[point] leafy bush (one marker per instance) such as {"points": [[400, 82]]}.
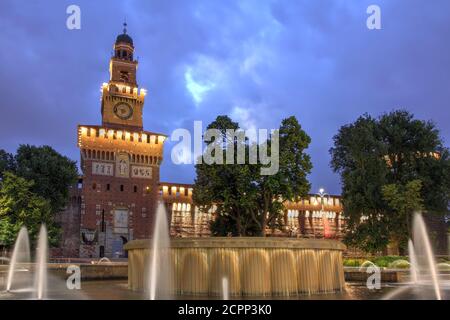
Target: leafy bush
{"points": [[352, 262], [367, 264], [399, 264], [385, 261], [443, 266]]}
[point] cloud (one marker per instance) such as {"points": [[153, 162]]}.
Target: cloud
{"points": [[258, 61]]}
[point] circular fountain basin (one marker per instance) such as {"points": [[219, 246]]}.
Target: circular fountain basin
{"points": [[252, 266]]}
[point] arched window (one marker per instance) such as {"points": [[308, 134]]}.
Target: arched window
{"points": [[94, 186], [135, 189], [121, 187]]}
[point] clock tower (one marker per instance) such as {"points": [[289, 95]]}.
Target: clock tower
{"points": [[120, 163], [122, 101]]}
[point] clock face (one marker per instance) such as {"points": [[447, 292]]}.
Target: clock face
{"points": [[123, 111]]}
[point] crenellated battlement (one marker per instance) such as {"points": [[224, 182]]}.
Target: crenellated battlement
{"points": [[114, 90], [139, 142]]}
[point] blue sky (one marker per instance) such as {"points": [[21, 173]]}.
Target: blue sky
{"points": [[257, 61]]}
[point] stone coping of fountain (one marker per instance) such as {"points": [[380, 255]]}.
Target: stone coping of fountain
{"points": [[243, 242]]}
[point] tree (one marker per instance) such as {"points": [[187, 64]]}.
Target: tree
{"points": [[403, 200], [226, 186], [32, 180], [247, 201], [19, 206], [51, 172], [394, 149], [7, 162]]}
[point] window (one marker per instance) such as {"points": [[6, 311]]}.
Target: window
{"points": [[102, 251], [121, 187], [94, 186], [135, 188], [108, 187], [103, 221]]}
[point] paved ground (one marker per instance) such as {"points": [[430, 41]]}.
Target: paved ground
{"points": [[118, 290]]}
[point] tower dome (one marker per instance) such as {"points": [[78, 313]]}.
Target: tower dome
{"points": [[124, 37]]}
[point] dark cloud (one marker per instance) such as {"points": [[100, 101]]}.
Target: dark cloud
{"points": [[259, 61]]}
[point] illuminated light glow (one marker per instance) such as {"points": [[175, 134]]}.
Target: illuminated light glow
{"points": [[179, 207], [152, 139], [143, 92], [188, 207], [144, 137], [102, 132], [135, 136], [119, 134], [110, 133], [127, 135], [174, 190], [83, 131], [182, 190], [161, 139], [174, 206], [165, 189], [92, 131]]}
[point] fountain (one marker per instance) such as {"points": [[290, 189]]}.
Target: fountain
{"points": [[41, 265], [20, 256], [425, 264], [255, 266], [413, 262], [225, 290], [425, 282], [160, 262]]}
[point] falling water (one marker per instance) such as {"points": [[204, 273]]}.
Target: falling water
{"points": [[423, 266], [159, 279], [225, 289], [413, 262], [21, 255], [41, 265], [424, 253]]}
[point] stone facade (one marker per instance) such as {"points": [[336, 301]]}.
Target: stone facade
{"points": [[313, 217]]}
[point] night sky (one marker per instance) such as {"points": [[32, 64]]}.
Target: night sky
{"points": [[257, 61]]}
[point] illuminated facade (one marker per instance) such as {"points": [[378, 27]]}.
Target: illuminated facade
{"points": [[314, 217]]}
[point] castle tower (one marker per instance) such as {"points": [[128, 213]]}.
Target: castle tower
{"points": [[120, 163]]}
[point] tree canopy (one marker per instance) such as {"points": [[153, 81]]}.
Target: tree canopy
{"points": [[34, 188], [246, 200], [19, 206], [382, 162]]}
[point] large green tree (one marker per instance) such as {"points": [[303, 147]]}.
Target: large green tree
{"points": [[248, 201], [378, 159], [19, 206], [51, 172], [41, 176]]}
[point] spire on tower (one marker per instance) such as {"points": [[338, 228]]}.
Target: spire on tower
{"points": [[125, 27]]}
